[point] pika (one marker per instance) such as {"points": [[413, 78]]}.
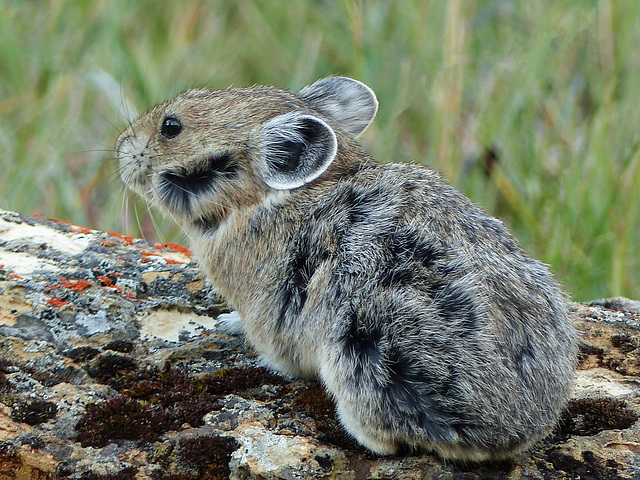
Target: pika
{"points": [[421, 315]]}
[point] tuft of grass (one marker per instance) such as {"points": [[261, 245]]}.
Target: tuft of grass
{"points": [[528, 107]]}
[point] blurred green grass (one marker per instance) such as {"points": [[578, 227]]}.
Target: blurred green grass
{"points": [[528, 107]]}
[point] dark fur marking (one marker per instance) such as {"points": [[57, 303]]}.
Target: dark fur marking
{"points": [[455, 305], [471, 230], [404, 378], [409, 253], [180, 186], [411, 394], [261, 218], [362, 345], [411, 242], [305, 258], [348, 205], [362, 340], [435, 287], [526, 351], [402, 274], [286, 301], [359, 213], [206, 225], [358, 202], [414, 394]]}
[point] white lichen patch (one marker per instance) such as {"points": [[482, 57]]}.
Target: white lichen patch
{"points": [[601, 383], [41, 235], [95, 323], [262, 451], [266, 453], [173, 325], [24, 264]]}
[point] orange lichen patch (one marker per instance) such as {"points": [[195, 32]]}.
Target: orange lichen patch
{"points": [[147, 254], [74, 227], [75, 285], [78, 285], [132, 297], [106, 281], [109, 280], [178, 248], [168, 261], [10, 274], [56, 303], [108, 243], [174, 254], [125, 238], [79, 229]]}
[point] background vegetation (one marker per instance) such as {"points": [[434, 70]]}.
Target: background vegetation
{"points": [[531, 108]]}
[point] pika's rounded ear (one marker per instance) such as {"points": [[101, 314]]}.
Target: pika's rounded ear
{"points": [[349, 102], [295, 148]]}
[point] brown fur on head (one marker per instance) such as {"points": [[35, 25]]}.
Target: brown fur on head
{"points": [[204, 152]]}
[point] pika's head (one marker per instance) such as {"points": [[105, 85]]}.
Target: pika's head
{"points": [[204, 152]]}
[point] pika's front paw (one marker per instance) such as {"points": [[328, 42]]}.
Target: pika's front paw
{"points": [[230, 323]]}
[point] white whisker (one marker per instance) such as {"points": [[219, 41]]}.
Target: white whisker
{"points": [[138, 222]]}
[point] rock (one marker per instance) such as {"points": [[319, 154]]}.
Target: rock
{"points": [[112, 366]]}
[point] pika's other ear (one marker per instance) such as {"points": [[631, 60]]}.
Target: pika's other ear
{"points": [[349, 102], [295, 148]]}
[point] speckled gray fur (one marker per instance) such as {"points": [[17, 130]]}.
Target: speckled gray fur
{"points": [[420, 313]]}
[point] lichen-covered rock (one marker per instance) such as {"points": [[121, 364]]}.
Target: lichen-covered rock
{"points": [[112, 367]]}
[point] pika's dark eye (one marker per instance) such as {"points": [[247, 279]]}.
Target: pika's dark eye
{"points": [[171, 127]]}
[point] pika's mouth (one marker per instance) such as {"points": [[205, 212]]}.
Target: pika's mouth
{"points": [[179, 188]]}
